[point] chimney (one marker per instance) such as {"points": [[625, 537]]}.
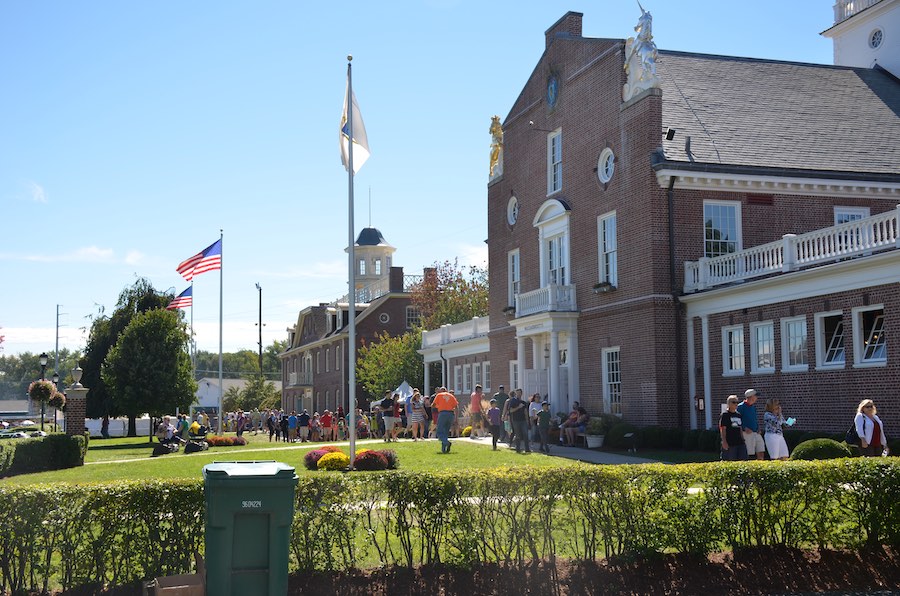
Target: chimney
{"points": [[568, 26]]}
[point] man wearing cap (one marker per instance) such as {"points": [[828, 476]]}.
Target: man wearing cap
{"points": [[752, 439], [446, 405]]}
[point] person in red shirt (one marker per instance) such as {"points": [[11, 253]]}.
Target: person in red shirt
{"points": [[445, 403], [325, 421]]}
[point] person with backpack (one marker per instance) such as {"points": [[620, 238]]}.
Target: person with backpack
{"points": [[869, 428]]}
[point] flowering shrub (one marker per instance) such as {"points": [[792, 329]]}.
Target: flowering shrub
{"points": [[334, 461], [391, 456], [239, 441], [311, 459], [41, 390], [362, 450], [370, 461], [57, 400], [330, 449], [467, 431], [217, 441]]}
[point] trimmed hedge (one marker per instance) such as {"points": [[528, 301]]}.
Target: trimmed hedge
{"points": [[56, 451], [110, 534], [821, 449]]}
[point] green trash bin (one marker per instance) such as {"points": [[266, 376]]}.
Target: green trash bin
{"points": [[249, 510]]}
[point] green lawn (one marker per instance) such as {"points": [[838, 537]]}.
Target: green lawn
{"points": [[113, 460]]}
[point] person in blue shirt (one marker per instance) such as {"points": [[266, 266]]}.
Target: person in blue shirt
{"points": [[750, 421]]}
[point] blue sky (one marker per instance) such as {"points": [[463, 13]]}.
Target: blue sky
{"points": [[131, 133]]}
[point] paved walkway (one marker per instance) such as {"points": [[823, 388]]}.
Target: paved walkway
{"points": [[591, 456]]}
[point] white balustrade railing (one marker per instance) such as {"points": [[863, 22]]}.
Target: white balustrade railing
{"points": [[844, 9], [793, 251], [476, 327], [304, 377], [551, 298]]}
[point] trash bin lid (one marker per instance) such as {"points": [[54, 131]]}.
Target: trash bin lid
{"points": [[257, 469]]}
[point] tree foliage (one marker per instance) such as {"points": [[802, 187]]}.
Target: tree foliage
{"points": [[384, 364], [257, 393], [149, 369], [105, 331], [451, 294], [18, 370], [241, 364]]}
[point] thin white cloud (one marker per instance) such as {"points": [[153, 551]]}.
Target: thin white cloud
{"points": [[134, 257], [321, 270], [472, 254], [86, 254], [37, 193]]}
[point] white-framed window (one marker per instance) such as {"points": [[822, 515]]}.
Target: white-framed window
{"points": [[721, 228], [513, 276], [476, 375], [377, 267], [467, 378], [733, 350], [337, 357], [606, 235], [337, 398], [457, 378], [606, 165], [512, 211], [762, 347], [793, 345], [486, 375], [413, 317], [327, 358], [513, 375], [612, 380], [318, 361], [830, 340], [869, 339], [362, 266], [846, 214], [554, 162], [557, 259]]}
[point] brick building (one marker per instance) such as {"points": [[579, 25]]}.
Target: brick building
{"points": [[668, 228], [314, 367]]}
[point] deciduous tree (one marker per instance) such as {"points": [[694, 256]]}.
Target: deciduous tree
{"points": [[149, 369], [451, 294], [387, 362]]}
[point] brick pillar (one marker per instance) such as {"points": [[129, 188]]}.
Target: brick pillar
{"points": [[76, 406]]}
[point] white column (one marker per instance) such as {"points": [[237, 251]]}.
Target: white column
{"points": [[574, 389], [707, 373], [555, 398], [537, 353], [427, 389], [520, 357], [691, 371]]}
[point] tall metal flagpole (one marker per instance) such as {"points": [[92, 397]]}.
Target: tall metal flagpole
{"points": [[351, 407], [193, 344], [221, 293]]}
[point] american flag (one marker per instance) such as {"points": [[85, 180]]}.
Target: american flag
{"points": [[182, 300], [208, 259]]}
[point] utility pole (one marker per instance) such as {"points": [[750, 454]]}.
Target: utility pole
{"points": [[259, 287]]}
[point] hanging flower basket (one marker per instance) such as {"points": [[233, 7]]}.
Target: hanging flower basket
{"points": [[41, 390], [58, 400]]}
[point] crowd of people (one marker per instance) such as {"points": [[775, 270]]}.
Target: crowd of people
{"points": [[742, 439]]}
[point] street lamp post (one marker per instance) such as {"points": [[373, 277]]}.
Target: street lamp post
{"points": [[55, 379], [43, 360]]}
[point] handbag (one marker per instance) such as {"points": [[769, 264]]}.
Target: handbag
{"points": [[852, 437]]}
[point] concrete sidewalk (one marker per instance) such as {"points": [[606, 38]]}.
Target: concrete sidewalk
{"points": [[591, 456]]}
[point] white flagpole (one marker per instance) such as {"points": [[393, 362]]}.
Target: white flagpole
{"points": [[193, 351], [221, 293], [352, 278]]}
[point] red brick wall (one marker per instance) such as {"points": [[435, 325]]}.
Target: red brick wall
{"points": [[818, 399]]}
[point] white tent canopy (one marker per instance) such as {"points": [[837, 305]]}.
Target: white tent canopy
{"points": [[404, 390]]}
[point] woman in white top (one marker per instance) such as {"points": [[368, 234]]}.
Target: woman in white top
{"points": [[774, 437], [872, 440]]}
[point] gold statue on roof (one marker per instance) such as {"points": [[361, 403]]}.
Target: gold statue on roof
{"points": [[496, 130]]}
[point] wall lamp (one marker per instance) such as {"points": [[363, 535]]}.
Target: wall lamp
{"points": [[531, 125]]}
